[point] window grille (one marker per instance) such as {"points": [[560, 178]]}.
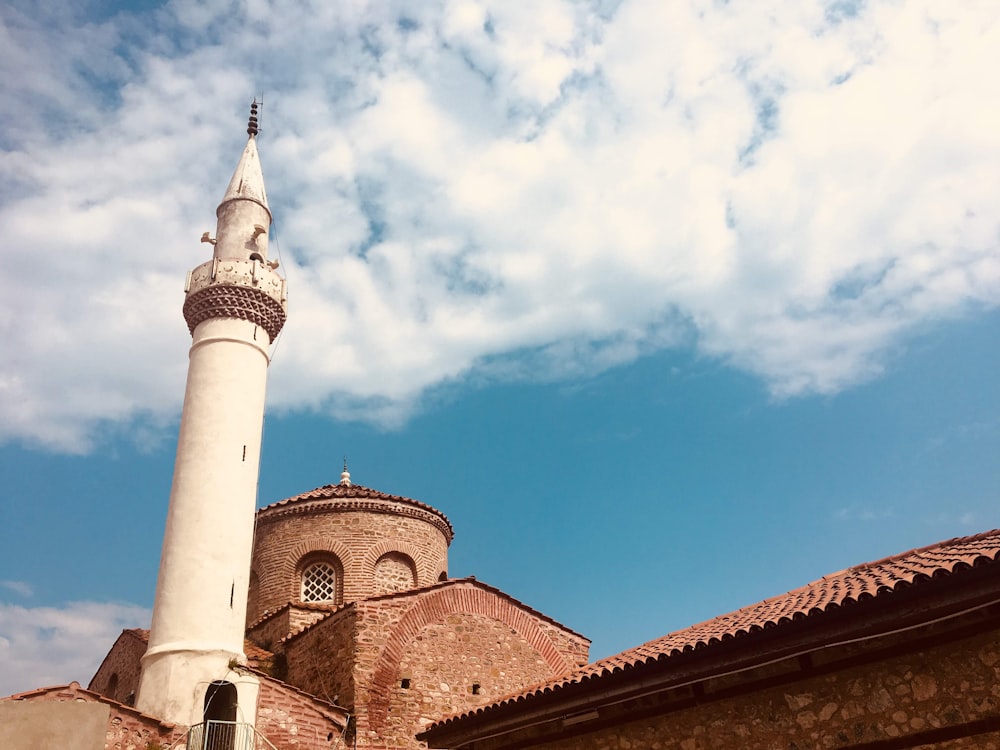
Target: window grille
{"points": [[319, 583]]}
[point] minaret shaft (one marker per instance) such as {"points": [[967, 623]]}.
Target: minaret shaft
{"points": [[235, 306], [214, 491]]}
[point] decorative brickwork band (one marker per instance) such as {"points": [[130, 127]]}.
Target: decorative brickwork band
{"points": [[277, 511], [230, 301]]}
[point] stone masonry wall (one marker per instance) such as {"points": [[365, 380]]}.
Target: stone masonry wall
{"points": [[321, 660], [883, 701], [394, 572], [460, 663], [121, 666], [356, 538], [267, 633], [126, 731], [575, 647], [419, 657], [292, 721]]}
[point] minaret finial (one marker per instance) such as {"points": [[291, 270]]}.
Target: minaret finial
{"points": [[345, 477], [252, 124]]}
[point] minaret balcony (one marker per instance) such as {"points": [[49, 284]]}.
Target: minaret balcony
{"points": [[234, 288], [255, 274]]}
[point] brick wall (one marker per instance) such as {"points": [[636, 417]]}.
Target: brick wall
{"points": [[321, 659], [291, 720], [462, 662], [573, 646], [268, 632], [118, 676], [129, 732], [444, 641], [355, 539], [394, 572]]}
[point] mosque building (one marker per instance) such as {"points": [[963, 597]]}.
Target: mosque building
{"points": [[329, 620]]}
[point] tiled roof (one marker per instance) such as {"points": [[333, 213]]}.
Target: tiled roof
{"points": [[255, 654], [332, 710], [860, 583], [356, 492], [308, 606]]}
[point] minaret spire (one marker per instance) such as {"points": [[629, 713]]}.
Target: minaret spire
{"points": [[252, 124], [247, 182], [235, 306]]}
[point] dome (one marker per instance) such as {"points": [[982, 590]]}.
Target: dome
{"points": [[344, 542]]}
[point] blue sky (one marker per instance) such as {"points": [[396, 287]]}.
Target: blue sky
{"points": [[669, 307]]}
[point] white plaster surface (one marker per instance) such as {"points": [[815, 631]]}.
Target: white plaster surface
{"points": [[199, 611], [37, 725]]}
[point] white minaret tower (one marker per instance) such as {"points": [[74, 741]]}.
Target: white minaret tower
{"points": [[235, 307]]}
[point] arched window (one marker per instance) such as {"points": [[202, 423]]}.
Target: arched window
{"points": [[394, 572], [319, 582]]}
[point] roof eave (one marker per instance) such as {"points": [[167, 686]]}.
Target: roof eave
{"points": [[917, 606]]}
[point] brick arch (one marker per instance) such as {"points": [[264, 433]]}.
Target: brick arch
{"points": [[291, 566], [434, 608], [389, 576], [375, 553]]}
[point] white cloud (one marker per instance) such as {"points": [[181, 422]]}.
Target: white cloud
{"points": [[42, 646], [463, 190], [863, 513], [19, 587]]}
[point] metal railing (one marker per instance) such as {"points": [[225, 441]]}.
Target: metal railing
{"points": [[226, 735]]}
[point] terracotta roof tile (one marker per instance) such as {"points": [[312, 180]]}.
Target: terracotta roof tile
{"points": [[332, 710], [309, 606], [356, 492], [859, 583], [255, 654]]}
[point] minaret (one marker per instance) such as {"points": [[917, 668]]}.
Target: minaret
{"points": [[235, 306]]}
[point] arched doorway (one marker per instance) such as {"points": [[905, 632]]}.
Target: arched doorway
{"points": [[220, 716]]}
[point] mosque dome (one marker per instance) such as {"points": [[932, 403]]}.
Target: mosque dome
{"points": [[344, 542]]}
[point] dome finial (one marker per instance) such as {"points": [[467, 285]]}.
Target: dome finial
{"points": [[252, 124], [345, 477]]}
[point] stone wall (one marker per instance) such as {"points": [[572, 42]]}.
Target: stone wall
{"points": [[268, 632], [424, 656], [394, 572], [452, 666], [321, 660], [118, 676], [905, 701], [573, 646], [127, 731], [291, 720], [354, 539]]}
